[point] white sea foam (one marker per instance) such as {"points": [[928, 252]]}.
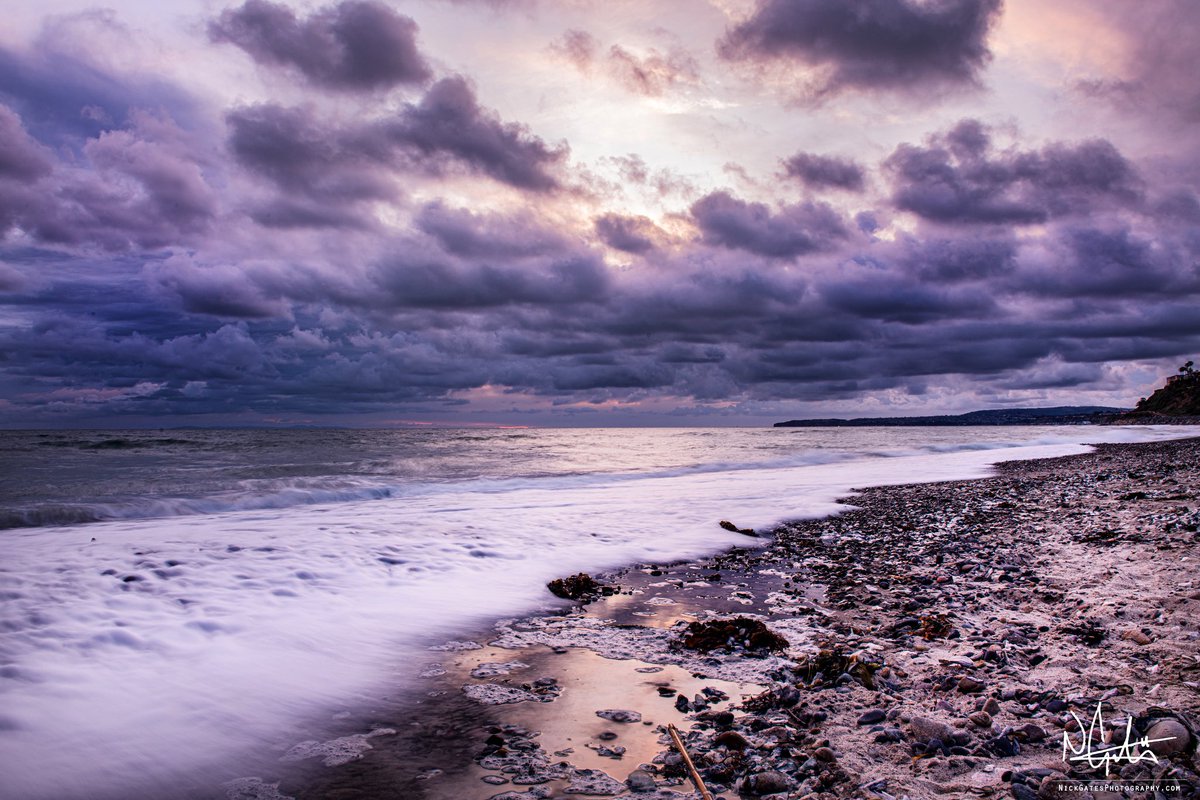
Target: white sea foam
{"points": [[142, 656]]}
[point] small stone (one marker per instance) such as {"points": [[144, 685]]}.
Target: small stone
{"points": [[992, 706], [925, 729], [969, 685], [981, 719], [1176, 735], [769, 782], [872, 717], [494, 780], [1136, 636], [732, 740], [640, 781], [824, 754]]}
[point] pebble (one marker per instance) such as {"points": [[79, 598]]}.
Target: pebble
{"points": [[1176, 734], [824, 754], [769, 782], [925, 729], [969, 685], [981, 719], [873, 716], [640, 781]]}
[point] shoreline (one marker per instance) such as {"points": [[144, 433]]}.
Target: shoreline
{"points": [[1039, 590]]}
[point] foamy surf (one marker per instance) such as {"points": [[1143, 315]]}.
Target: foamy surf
{"points": [[148, 657]]}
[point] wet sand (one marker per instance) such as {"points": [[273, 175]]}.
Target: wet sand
{"points": [[940, 639]]}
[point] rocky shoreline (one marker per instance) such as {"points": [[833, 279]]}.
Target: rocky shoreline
{"points": [[932, 641]]}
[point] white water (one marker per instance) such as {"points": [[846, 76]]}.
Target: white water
{"points": [[239, 625]]}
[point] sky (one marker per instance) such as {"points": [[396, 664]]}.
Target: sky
{"points": [[575, 212]]}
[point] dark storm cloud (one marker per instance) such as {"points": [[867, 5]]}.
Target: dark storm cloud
{"points": [[631, 234], [1088, 262], [323, 177], [818, 171], [413, 279], [874, 44], [497, 236], [959, 178], [328, 170], [795, 230], [945, 261], [897, 300], [353, 46], [450, 123], [140, 186]]}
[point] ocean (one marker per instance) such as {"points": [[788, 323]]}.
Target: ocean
{"points": [[174, 604]]}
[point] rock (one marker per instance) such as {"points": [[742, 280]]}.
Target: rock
{"points": [[981, 719], [577, 587], [619, 715], [1136, 636], [992, 706], [494, 780], [1004, 746], [1022, 792], [1031, 733], [924, 729], [732, 740], [729, 526], [640, 781], [969, 685], [1177, 737], [769, 782], [872, 717], [824, 754]]}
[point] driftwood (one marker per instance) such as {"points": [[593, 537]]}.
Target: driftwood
{"points": [[687, 762]]}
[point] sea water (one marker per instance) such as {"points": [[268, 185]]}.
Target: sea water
{"points": [[174, 602]]}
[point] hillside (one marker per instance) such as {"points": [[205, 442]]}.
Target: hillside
{"points": [[1180, 397]]}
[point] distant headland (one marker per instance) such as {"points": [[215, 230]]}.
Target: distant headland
{"points": [[1177, 402]]}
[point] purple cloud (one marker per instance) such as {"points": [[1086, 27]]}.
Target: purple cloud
{"points": [[357, 45], [898, 45], [795, 230]]}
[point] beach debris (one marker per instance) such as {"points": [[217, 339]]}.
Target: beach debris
{"points": [[579, 587], [697, 781], [738, 633], [729, 526], [827, 666]]}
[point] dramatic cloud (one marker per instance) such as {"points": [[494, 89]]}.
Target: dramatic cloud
{"points": [[450, 122], [958, 178], [818, 172], [875, 44], [796, 230], [632, 234], [356, 45], [361, 229]]}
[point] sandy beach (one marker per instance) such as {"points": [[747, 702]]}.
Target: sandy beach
{"points": [[932, 641]]}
